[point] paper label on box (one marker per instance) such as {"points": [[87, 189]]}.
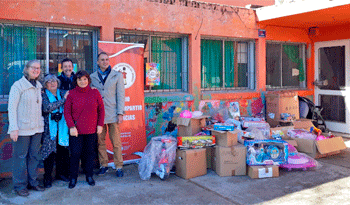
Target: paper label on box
{"points": [[264, 174]]}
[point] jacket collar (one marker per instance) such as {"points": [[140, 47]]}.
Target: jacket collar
{"points": [[111, 74], [27, 85]]}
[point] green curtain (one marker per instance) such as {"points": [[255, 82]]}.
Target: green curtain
{"points": [[17, 46], [292, 52], [168, 54], [229, 64], [211, 57]]}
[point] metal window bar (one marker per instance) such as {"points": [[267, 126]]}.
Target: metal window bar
{"points": [[18, 45], [158, 47], [302, 54], [207, 74], [65, 43]]}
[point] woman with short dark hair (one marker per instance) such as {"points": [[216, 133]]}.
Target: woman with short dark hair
{"points": [[55, 139], [84, 113], [26, 125]]}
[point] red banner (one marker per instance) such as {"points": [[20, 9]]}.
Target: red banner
{"points": [[128, 59]]}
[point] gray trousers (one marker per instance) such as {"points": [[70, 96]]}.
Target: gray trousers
{"points": [[25, 161]]}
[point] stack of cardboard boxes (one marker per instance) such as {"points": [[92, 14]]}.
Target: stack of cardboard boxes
{"points": [[230, 157], [191, 163]]}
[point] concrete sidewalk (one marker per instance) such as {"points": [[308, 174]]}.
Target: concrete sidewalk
{"points": [[329, 184]]}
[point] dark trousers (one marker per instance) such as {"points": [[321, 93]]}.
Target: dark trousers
{"points": [[83, 146], [25, 161], [62, 163]]}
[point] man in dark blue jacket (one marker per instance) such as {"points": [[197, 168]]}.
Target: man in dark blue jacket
{"points": [[67, 75]]}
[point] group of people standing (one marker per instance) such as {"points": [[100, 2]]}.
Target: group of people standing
{"points": [[61, 119]]}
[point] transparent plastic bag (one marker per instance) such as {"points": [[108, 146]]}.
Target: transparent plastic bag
{"points": [[256, 133], [158, 157], [220, 114]]}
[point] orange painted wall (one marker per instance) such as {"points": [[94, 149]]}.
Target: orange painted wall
{"points": [[332, 33], [193, 18], [243, 3], [298, 35]]}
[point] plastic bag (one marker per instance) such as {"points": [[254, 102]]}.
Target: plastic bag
{"points": [[158, 157], [219, 114], [256, 133]]}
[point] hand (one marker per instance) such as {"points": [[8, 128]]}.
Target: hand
{"points": [[14, 135], [66, 95], [99, 129], [73, 131], [93, 87], [120, 119]]}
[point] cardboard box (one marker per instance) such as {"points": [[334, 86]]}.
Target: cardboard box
{"points": [[258, 172], [317, 149], [321, 148], [292, 142], [281, 102], [190, 126], [191, 163], [303, 124], [210, 152], [230, 161], [225, 138]]}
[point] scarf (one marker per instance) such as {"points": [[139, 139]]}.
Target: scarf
{"points": [[62, 127], [103, 75]]}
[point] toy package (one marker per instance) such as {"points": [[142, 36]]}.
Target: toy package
{"points": [[194, 142], [266, 152], [223, 127], [298, 160], [158, 157], [301, 133]]}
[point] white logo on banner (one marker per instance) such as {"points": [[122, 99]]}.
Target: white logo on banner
{"points": [[128, 73]]}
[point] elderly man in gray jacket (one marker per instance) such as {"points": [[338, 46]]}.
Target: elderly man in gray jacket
{"points": [[110, 83]]}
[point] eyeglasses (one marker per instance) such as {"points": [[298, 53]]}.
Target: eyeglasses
{"points": [[51, 81], [35, 68]]}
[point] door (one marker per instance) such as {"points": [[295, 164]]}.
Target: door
{"points": [[332, 83]]}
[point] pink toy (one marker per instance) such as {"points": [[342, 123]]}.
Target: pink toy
{"points": [[297, 160], [321, 137], [186, 114]]}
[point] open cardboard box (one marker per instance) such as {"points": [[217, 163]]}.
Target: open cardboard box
{"points": [[317, 149], [190, 126]]}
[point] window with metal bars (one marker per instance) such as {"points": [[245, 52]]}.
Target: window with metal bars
{"points": [[169, 51], [20, 43], [227, 64], [285, 65]]}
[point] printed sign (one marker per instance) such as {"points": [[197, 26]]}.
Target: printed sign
{"points": [[128, 59], [152, 74]]}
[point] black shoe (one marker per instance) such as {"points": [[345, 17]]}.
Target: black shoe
{"points": [[102, 171], [62, 177], [47, 183], [36, 188], [72, 183], [90, 181], [23, 192], [119, 173]]}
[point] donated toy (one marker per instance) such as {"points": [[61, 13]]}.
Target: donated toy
{"points": [[297, 160], [158, 157], [315, 130], [186, 114], [266, 152]]}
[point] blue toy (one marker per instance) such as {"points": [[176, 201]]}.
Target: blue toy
{"points": [[266, 152]]}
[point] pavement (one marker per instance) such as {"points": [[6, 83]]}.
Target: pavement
{"points": [[329, 184]]}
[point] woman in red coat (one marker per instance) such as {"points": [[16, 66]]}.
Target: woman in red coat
{"points": [[84, 114]]}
